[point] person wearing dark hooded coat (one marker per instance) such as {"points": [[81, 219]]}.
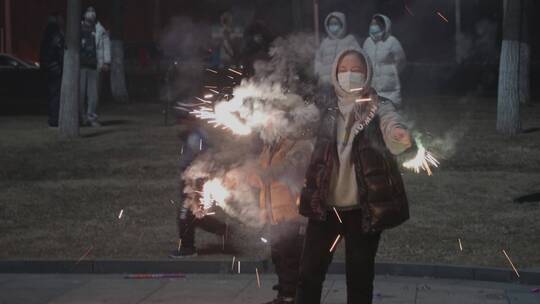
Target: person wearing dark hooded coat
{"points": [[353, 188], [338, 39], [52, 61], [187, 221], [388, 58]]}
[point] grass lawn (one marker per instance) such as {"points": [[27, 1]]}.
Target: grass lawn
{"points": [[61, 198]]}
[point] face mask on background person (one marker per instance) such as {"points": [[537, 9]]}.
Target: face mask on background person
{"points": [[375, 31], [334, 28], [351, 80]]}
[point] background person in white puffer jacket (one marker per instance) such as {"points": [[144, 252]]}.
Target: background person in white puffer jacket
{"points": [[337, 41], [388, 58], [95, 57]]}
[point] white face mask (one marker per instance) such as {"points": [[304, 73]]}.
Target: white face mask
{"points": [[351, 80]]}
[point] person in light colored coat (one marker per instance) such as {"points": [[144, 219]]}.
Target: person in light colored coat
{"points": [[388, 58], [337, 41], [95, 57]]}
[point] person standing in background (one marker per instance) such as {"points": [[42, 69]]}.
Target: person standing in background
{"points": [[388, 59], [95, 57], [51, 62], [338, 40]]}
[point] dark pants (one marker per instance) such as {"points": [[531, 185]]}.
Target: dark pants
{"points": [[286, 248], [360, 251], [54, 85], [187, 222]]}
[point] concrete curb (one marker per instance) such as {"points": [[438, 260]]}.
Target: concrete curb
{"points": [[531, 277]]}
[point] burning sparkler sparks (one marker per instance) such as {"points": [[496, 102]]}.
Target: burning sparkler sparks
{"points": [[212, 71], [337, 214], [422, 161], [511, 264], [264, 240], [363, 99], [335, 243], [202, 100], [206, 96], [409, 10], [442, 16], [356, 89], [213, 193], [121, 213], [460, 247], [241, 114], [235, 71], [85, 254], [213, 91]]}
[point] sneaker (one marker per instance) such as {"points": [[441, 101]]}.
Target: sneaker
{"points": [[281, 300], [184, 252]]}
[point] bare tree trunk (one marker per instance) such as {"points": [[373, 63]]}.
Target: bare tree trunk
{"points": [[69, 96], [525, 56], [118, 74], [508, 118]]}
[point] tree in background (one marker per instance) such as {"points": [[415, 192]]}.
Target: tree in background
{"points": [[525, 55], [118, 74], [69, 96], [510, 76]]}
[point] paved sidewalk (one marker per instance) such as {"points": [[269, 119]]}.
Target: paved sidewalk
{"points": [[231, 288]]}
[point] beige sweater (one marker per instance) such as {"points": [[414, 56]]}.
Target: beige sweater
{"points": [[343, 186]]}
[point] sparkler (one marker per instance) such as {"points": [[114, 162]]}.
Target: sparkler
{"points": [[460, 247], [213, 193], [442, 16], [213, 91], [210, 213], [337, 214], [212, 71], [230, 77], [179, 244], [335, 243], [210, 87], [155, 276], [121, 213], [233, 259], [422, 161], [258, 279], [264, 240], [208, 96], [356, 89], [200, 144], [238, 266], [511, 264]]}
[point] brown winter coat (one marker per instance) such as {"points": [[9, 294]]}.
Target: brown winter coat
{"points": [[283, 164]]}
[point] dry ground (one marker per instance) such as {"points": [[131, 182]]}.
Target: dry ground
{"points": [[58, 199]]}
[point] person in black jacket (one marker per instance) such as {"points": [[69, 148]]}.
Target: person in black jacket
{"points": [[51, 61]]}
